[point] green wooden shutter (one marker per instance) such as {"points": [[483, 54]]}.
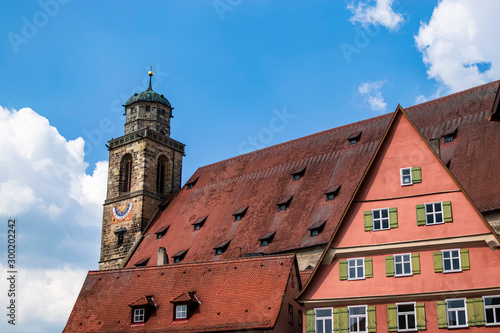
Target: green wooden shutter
{"points": [[393, 217], [441, 314], [479, 311], [416, 175], [438, 262], [336, 320], [389, 266], [343, 269], [368, 267], [420, 214], [368, 220], [310, 321], [392, 318], [344, 320], [471, 318], [421, 322], [415, 263], [464, 259], [372, 319], [447, 211]]}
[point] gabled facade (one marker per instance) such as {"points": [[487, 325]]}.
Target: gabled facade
{"points": [[411, 252], [252, 295]]}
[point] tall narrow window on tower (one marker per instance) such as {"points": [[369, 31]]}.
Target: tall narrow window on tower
{"points": [[126, 174], [160, 175]]}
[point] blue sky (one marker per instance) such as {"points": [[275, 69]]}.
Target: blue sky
{"points": [[240, 74]]}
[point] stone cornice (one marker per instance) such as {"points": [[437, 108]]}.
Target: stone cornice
{"points": [[146, 133], [129, 195]]}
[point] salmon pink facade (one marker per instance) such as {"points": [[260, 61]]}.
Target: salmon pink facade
{"points": [[411, 252]]}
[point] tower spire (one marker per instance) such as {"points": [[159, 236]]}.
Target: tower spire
{"points": [[150, 73]]}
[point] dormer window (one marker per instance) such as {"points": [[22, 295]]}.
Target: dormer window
{"points": [[267, 238], [238, 215], [354, 138], [161, 232], [191, 184], [221, 248], [284, 203], [184, 305], [316, 228], [332, 192], [450, 135], [142, 309], [199, 223], [119, 236], [179, 256], [142, 262], [148, 108], [298, 173]]}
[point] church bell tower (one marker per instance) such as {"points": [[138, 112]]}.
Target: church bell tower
{"points": [[145, 167]]}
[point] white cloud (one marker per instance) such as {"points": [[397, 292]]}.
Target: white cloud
{"points": [[373, 95], [43, 296], [458, 43], [377, 12], [41, 170]]}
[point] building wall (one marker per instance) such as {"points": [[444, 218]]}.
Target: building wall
{"points": [[282, 323]]}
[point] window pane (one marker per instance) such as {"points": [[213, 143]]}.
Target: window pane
{"points": [[398, 259], [353, 324], [360, 262], [328, 325], [352, 272], [428, 208], [456, 264], [446, 254], [405, 308], [439, 218], [447, 265], [356, 311], [399, 269], [411, 321], [461, 318], [376, 225], [407, 268], [430, 219], [362, 324], [360, 272], [406, 257], [489, 316], [376, 214], [456, 304], [497, 314], [452, 318], [323, 313], [385, 213], [385, 224], [437, 207], [402, 322], [319, 326]]}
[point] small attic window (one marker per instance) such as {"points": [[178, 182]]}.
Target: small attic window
{"points": [[284, 203], [332, 192], [316, 228], [221, 248], [119, 236], [191, 184], [142, 309], [354, 138], [139, 315], [298, 173], [184, 305], [142, 262], [179, 256], [267, 238], [238, 215], [161, 232], [450, 135], [148, 108], [199, 223]]}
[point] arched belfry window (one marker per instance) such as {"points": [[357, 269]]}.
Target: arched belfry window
{"points": [[161, 171], [126, 173]]}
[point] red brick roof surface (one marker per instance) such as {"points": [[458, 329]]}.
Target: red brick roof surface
{"points": [[234, 295], [262, 178]]}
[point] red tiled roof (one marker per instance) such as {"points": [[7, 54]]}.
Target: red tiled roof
{"points": [[234, 295], [260, 179], [144, 300], [187, 296], [304, 276]]}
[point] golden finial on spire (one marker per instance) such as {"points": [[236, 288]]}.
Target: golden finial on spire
{"points": [[150, 73]]}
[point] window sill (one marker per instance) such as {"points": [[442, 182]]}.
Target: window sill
{"points": [[138, 324]]}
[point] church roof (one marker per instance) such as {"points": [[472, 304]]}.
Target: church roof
{"points": [[232, 295], [262, 178], [148, 96]]}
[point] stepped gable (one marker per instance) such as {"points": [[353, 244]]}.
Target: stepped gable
{"points": [[232, 294], [263, 178]]}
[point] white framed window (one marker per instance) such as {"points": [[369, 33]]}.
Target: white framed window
{"points": [[492, 310], [380, 218], [402, 264], [434, 213], [451, 261], [181, 311], [407, 318], [406, 176], [324, 320], [357, 319], [456, 313], [139, 315], [356, 269]]}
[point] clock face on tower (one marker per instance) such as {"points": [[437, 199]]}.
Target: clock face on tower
{"points": [[122, 213]]}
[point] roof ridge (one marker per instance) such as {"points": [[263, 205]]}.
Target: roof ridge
{"points": [[454, 95], [192, 264]]}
